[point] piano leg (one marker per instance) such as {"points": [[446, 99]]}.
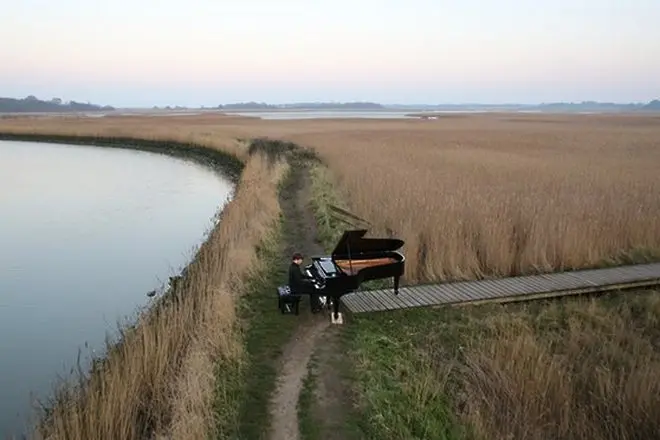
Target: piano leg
{"points": [[396, 285], [335, 304]]}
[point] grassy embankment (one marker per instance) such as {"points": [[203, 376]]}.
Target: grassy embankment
{"points": [[572, 368], [266, 329], [178, 371]]}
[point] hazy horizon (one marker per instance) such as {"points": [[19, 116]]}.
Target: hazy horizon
{"points": [[203, 52]]}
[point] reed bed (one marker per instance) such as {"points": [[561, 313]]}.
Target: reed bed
{"points": [[505, 197], [497, 195], [578, 369], [585, 369], [212, 131]]}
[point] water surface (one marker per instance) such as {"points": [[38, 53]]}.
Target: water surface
{"points": [[315, 114], [85, 233]]}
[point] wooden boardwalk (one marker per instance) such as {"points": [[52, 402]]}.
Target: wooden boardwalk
{"points": [[522, 288]]}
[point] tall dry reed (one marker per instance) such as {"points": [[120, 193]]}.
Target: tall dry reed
{"points": [[496, 195], [203, 405], [575, 369], [486, 196], [215, 132], [585, 370]]}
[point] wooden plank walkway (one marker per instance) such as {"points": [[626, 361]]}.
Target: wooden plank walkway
{"points": [[522, 288]]}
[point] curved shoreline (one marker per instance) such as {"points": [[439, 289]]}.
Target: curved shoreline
{"points": [[226, 165], [229, 165], [223, 163]]}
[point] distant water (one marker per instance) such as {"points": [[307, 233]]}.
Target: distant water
{"points": [[315, 114], [328, 114], [363, 114], [86, 233]]}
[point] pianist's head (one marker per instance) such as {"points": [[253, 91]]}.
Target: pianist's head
{"points": [[297, 258]]}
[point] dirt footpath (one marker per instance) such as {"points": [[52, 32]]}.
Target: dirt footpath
{"points": [[314, 334]]}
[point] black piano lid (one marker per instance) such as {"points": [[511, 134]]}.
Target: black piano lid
{"points": [[358, 245]]}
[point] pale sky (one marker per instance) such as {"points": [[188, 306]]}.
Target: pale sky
{"points": [[207, 52]]}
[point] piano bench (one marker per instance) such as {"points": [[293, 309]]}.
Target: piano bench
{"points": [[287, 302]]}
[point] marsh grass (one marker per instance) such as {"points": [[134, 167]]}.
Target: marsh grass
{"points": [[582, 369], [200, 133], [572, 368], [585, 368], [324, 195], [478, 197]]}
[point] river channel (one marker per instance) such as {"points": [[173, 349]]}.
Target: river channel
{"points": [[85, 234]]}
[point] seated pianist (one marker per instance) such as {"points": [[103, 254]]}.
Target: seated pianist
{"points": [[301, 284]]}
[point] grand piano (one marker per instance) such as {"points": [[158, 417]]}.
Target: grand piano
{"points": [[355, 260]]}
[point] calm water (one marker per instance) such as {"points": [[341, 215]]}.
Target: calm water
{"points": [[85, 233], [313, 114]]}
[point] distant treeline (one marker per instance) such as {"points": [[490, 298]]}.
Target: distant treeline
{"points": [[34, 105], [302, 105], [552, 106], [599, 106], [546, 106], [653, 105]]}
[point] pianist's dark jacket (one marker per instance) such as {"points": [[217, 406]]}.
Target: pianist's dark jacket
{"points": [[298, 282]]}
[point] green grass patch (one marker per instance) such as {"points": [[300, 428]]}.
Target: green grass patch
{"points": [[402, 392], [227, 397], [266, 331], [309, 427]]}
